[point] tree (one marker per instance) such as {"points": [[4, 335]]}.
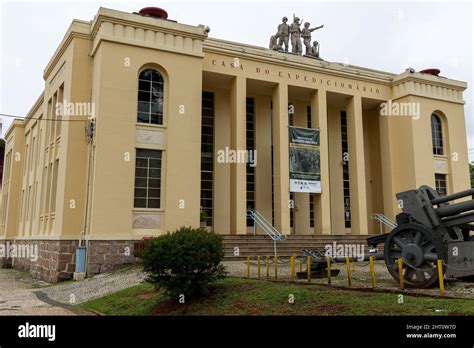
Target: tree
{"points": [[471, 172]]}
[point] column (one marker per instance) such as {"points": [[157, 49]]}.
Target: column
{"points": [[319, 118], [358, 189], [281, 177], [221, 204], [238, 192], [263, 170], [301, 224]]}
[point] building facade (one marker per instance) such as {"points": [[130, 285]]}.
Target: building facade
{"points": [[146, 104]]}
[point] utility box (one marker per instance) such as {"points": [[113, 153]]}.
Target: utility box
{"points": [[81, 253]]}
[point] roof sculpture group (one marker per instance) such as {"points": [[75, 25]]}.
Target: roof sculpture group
{"points": [[285, 32]]}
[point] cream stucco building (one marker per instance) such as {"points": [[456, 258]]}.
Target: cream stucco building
{"points": [[160, 98]]}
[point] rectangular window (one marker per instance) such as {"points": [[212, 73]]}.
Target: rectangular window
{"points": [[27, 205], [308, 116], [345, 171], [147, 179], [53, 118], [21, 203], [48, 124], [440, 184], [250, 128], [48, 189], [54, 186], [207, 155], [59, 117], [33, 153], [311, 195], [292, 195], [25, 169]]}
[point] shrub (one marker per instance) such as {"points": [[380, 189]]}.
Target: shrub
{"points": [[185, 261]]}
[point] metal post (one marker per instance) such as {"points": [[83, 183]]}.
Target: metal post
{"points": [[372, 270], [276, 267], [254, 225], [441, 277], [258, 266], [400, 273], [328, 258], [248, 266], [275, 247], [348, 268], [308, 262], [292, 267], [268, 266]]}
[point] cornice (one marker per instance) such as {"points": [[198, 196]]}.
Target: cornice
{"points": [[74, 31]]}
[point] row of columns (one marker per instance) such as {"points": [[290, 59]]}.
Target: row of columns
{"points": [[318, 102]]}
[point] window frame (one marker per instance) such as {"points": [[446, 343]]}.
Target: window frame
{"points": [[438, 182], [161, 91], [437, 135], [148, 178]]}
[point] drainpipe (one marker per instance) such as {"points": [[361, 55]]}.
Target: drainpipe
{"points": [[82, 253]]}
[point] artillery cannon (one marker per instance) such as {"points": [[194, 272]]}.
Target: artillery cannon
{"points": [[430, 228]]}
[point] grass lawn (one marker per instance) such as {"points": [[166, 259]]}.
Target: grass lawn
{"points": [[236, 296]]}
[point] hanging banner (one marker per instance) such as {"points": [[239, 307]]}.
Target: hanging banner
{"points": [[305, 173]]}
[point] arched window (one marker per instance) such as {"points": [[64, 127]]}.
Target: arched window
{"points": [[150, 97], [437, 135]]}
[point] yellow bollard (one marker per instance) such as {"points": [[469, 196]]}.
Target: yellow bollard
{"points": [[276, 267], [248, 266], [441, 277], [258, 266], [328, 258], [308, 261], [292, 267], [372, 270], [301, 264], [348, 268], [268, 267], [400, 273]]}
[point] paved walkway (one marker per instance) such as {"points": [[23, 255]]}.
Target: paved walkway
{"points": [[17, 296], [21, 295]]}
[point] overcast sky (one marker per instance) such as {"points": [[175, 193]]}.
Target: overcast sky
{"points": [[389, 36]]}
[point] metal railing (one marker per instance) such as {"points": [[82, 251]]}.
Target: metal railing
{"points": [[383, 220], [267, 227]]}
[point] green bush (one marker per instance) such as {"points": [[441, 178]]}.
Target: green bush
{"points": [[185, 261]]}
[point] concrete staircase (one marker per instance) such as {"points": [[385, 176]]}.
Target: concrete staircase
{"points": [[255, 245]]}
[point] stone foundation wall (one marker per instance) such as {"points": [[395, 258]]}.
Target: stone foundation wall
{"points": [[5, 262], [56, 258], [106, 255]]}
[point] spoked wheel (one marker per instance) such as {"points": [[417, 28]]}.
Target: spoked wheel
{"points": [[420, 249]]}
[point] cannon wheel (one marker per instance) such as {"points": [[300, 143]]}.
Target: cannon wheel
{"points": [[420, 249]]}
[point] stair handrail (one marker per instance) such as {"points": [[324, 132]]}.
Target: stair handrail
{"points": [[266, 226], [384, 220]]}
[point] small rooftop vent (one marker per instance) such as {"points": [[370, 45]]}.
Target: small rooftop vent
{"points": [[434, 72], [154, 12]]}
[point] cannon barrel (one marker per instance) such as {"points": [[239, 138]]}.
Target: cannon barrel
{"points": [[453, 196], [456, 208]]}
